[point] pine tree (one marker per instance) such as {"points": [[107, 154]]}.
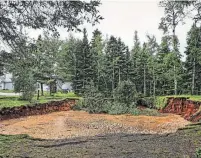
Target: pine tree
{"points": [[111, 61], [161, 70], [152, 48], [84, 62], [174, 14], [96, 50], [193, 60], [135, 76], [87, 61]]}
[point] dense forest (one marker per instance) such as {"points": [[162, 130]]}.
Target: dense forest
{"points": [[105, 69]]}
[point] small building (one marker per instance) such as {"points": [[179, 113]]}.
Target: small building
{"points": [[6, 82], [64, 86]]}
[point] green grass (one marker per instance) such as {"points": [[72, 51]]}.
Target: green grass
{"points": [[8, 141], [146, 112], [160, 102], [11, 101], [191, 97], [6, 91]]}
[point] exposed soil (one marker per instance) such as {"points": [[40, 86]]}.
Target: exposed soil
{"points": [[7, 113], [188, 109], [70, 124]]}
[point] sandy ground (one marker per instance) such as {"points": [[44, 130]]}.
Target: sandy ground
{"points": [[69, 124]]}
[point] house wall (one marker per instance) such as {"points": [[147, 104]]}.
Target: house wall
{"points": [[9, 86], [60, 86], [6, 82]]}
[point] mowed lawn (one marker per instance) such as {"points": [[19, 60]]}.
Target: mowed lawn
{"points": [[11, 101]]}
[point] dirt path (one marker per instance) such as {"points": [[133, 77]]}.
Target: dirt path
{"points": [[69, 124]]}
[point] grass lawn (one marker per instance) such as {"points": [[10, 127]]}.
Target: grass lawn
{"points": [[11, 101], [6, 91], [191, 97]]}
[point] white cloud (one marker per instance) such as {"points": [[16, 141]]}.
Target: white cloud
{"points": [[122, 18]]}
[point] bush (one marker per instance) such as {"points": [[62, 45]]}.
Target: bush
{"points": [[125, 93], [147, 112], [125, 98], [93, 101], [134, 111], [160, 102], [116, 108], [198, 153], [148, 102]]}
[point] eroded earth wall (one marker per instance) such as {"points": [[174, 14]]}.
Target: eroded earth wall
{"points": [[36, 109], [188, 109]]}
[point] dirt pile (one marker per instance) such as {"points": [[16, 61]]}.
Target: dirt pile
{"points": [[36, 109], [188, 109]]}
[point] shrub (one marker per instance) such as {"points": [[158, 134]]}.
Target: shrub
{"points": [[198, 153], [125, 93], [148, 102], [147, 112], [134, 111], [160, 102], [93, 101], [117, 108]]}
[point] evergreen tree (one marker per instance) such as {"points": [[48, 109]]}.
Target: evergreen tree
{"points": [[152, 48], [111, 62], [84, 62], [96, 51], [174, 14], [161, 70], [134, 70], [193, 60]]}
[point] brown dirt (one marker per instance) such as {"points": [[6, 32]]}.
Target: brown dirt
{"points": [[188, 109], [68, 124]]}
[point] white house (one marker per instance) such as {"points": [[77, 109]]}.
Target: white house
{"points": [[6, 82], [60, 86]]}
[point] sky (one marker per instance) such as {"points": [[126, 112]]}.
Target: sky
{"points": [[123, 17]]}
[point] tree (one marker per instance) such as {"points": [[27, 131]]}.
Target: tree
{"points": [[67, 58], [21, 65], [96, 50], [152, 48], [193, 60], [143, 60], [84, 61], [161, 68], [117, 63], [87, 61], [45, 58], [44, 14], [134, 70], [111, 59], [174, 14]]}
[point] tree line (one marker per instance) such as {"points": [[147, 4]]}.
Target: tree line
{"points": [[104, 66]]}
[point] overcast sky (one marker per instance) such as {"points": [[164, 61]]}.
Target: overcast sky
{"points": [[122, 18]]}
